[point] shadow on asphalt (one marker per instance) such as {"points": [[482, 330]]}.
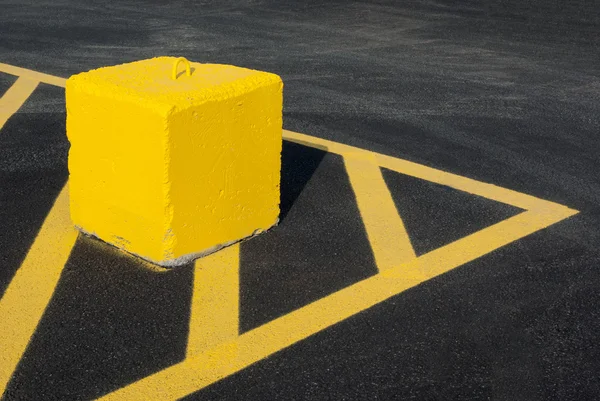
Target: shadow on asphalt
{"points": [[298, 164]]}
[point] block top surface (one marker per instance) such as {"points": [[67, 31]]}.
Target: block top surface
{"points": [[150, 82]]}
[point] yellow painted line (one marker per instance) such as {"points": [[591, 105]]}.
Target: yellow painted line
{"points": [[27, 295], [14, 98], [387, 235], [215, 350], [33, 75], [215, 309], [480, 243], [203, 369], [207, 367], [465, 184]]}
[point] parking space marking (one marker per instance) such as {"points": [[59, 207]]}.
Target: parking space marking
{"points": [[214, 315], [33, 75], [15, 96], [203, 369], [217, 350], [29, 292], [227, 358], [483, 242], [389, 240], [469, 185]]}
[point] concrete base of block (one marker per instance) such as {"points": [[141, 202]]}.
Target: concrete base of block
{"points": [[182, 260]]}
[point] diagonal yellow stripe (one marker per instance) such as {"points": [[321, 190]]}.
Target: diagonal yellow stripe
{"points": [[14, 98], [388, 237], [214, 364], [25, 299], [490, 191], [204, 366], [33, 75], [215, 303]]}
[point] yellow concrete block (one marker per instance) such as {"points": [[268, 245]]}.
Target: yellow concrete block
{"points": [[172, 169]]}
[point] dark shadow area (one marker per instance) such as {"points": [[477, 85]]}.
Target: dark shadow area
{"points": [[298, 164], [33, 169], [112, 321], [319, 248], [435, 215], [23, 209]]}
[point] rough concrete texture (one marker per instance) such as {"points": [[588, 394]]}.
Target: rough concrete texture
{"points": [[171, 169]]}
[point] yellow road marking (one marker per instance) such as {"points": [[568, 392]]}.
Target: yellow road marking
{"points": [[203, 369], [480, 243], [465, 184], [195, 373], [215, 350], [14, 98], [25, 299], [214, 364], [33, 75], [215, 302], [387, 235]]}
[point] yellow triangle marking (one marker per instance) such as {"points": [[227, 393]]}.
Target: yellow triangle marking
{"points": [[222, 352], [216, 363]]}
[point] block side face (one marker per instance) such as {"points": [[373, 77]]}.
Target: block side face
{"points": [[225, 168], [117, 170]]}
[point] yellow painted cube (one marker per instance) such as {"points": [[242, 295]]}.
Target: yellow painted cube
{"points": [[170, 166]]}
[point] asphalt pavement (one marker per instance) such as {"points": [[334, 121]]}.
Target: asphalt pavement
{"points": [[503, 92]]}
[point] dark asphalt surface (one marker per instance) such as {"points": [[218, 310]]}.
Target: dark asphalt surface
{"points": [[506, 92]]}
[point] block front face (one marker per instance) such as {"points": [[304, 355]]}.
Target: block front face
{"points": [[169, 168], [225, 162], [116, 165]]}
